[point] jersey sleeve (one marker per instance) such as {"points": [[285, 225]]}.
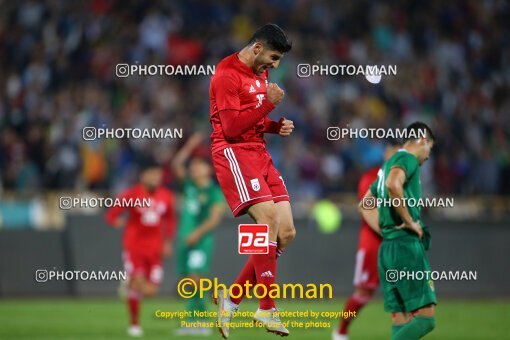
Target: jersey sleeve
{"points": [[234, 123], [115, 211], [408, 163], [226, 92], [272, 126]]}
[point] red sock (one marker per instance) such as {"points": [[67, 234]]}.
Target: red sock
{"points": [[265, 270], [134, 306], [246, 274], [354, 304]]}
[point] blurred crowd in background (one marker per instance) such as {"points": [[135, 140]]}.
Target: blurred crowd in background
{"points": [[57, 71]]}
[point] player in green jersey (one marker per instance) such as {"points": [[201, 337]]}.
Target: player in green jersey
{"points": [[405, 238], [202, 210]]}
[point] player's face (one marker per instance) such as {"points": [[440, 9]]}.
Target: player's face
{"points": [[152, 178], [425, 148], [265, 58], [199, 169]]}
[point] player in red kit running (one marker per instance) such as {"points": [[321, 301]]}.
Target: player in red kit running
{"points": [[241, 99], [148, 234], [366, 278]]}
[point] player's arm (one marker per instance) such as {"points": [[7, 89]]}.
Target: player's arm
{"points": [[283, 127], [234, 122], [115, 215], [215, 217], [395, 185], [178, 163], [371, 216]]}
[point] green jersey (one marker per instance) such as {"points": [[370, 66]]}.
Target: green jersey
{"points": [[388, 216], [197, 204]]}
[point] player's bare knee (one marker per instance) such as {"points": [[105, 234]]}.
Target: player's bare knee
{"points": [[136, 283], [363, 292], [286, 235], [428, 311], [268, 216], [149, 293], [150, 290], [401, 318]]}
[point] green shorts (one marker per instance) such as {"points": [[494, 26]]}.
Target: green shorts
{"points": [[402, 263], [194, 260]]}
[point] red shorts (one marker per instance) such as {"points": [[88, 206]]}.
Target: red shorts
{"points": [[148, 264], [365, 270], [247, 176]]}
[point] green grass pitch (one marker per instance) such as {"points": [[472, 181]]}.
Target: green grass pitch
{"points": [[107, 319]]}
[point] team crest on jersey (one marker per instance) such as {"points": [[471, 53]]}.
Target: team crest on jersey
{"points": [[252, 89], [431, 284], [255, 185], [257, 82]]}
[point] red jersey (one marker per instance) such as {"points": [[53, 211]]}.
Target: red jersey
{"points": [[239, 92], [365, 272], [146, 227], [364, 184]]}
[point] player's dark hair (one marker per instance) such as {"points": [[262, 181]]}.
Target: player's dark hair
{"points": [[203, 154], [416, 129], [273, 37], [201, 158], [147, 163]]}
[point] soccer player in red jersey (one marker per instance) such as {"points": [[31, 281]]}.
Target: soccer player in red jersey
{"points": [[241, 98], [366, 278], [148, 235]]}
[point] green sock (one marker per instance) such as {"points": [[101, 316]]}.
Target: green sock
{"points": [[416, 329], [196, 304], [396, 328]]}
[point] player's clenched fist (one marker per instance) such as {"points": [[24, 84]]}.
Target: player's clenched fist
{"points": [[286, 127], [274, 93]]}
